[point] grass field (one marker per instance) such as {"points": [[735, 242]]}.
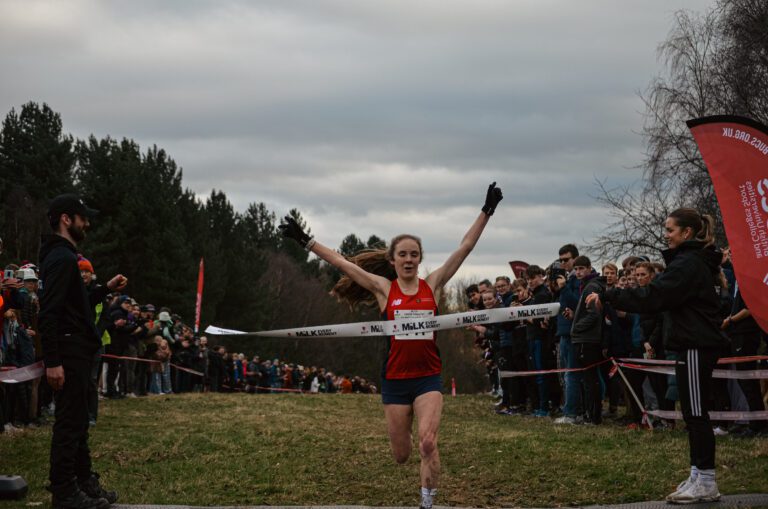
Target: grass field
{"points": [[237, 449]]}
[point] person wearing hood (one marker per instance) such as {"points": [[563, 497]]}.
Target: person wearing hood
{"points": [[587, 338], [685, 293], [70, 339]]}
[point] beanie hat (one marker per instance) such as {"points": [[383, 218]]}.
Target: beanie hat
{"points": [[84, 264], [164, 316]]}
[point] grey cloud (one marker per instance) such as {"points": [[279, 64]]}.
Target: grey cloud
{"points": [[355, 111]]}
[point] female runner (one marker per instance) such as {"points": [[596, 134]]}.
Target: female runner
{"points": [[411, 382], [685, 292]]}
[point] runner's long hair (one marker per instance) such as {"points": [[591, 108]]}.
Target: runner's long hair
{"points": [[375, 261]]}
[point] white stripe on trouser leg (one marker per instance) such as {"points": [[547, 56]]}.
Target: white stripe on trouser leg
{"points": [[692, 383], [695, 390]]}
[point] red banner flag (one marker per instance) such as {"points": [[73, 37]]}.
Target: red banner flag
{"points": [[735, 150], [518, 268], [199, 302]]}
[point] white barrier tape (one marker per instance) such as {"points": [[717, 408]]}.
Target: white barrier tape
{"points": [[735, 374], [406, 326], [512, 374], [760, 415], [722, 360], [25, 374]]}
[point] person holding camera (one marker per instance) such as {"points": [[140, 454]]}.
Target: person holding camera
{"points": [[70, 340]]}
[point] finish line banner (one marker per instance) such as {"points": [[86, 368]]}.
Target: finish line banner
{"points": [[735, 150], [405, 327]]}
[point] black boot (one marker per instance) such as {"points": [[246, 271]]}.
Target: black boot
{"points": [[78, 500], [93, 489]]}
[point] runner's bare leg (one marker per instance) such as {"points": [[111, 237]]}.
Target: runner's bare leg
{"points": [[399, 424], [428, 408]]}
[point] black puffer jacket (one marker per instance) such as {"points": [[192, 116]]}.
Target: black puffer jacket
{"points": [[685, 292]]}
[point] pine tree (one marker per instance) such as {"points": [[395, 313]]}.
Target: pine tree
{"points": [[36, 163]]}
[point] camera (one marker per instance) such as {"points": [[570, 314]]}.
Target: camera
{"points": [[9, 274], [557, 272]]}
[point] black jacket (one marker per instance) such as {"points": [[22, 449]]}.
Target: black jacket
{"points": [[540, 295], [66, 319], [123, 335], [685, 292], [587, 324]]}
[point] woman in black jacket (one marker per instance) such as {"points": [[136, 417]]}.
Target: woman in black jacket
{"points": [[685, 293]]}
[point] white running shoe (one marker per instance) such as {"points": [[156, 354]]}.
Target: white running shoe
{"points": [[565, 420], [698, 491], [680, 488], [719, 432]]}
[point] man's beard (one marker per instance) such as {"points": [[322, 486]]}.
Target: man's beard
{"points": [[77, 234]]}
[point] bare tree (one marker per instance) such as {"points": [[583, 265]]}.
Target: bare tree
{"points": [[715, 63]]}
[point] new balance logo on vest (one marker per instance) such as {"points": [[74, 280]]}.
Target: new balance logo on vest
{"points": [[397, 302]]}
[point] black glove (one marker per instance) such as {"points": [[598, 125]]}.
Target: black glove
{"points": [[291, 229], [492, 198]]}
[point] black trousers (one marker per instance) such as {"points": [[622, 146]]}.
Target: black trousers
{"points": [[588, 354], [93, 386], [693, 370], [747, 345], [70, 456], [508, 385]]}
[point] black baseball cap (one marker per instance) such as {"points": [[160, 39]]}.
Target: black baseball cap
{"points": [[69, 204]]}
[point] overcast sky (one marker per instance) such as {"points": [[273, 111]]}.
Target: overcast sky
{"points": [[370, 117]]}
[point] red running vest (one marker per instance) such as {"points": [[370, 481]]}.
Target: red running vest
{"points": [[411, 355]]}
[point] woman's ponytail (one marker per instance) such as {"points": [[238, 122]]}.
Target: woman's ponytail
{"points": [[702, 225]]}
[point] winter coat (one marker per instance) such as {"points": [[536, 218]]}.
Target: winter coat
{"points": [[587, 320], [534, 331], [568, 298], [66, 319], [685, 293]]}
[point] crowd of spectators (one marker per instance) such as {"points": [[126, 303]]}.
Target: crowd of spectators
{"points": [[151, 351], [146, 351], [584, 337]]}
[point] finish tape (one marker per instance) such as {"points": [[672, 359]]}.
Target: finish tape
{"points": [[405, 326]]}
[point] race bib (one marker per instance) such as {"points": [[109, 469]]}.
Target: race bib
{"points": [[415, 314]]}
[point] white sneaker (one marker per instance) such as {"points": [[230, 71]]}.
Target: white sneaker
{"points": [[680, 488], [719, 432], [131, 395], [698, 491], [11, 429], [565, 420]]}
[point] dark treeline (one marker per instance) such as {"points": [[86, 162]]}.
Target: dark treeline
{"points": [[155, 231]]}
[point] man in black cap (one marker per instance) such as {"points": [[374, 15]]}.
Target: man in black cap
{"points": [[70, 340]]}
